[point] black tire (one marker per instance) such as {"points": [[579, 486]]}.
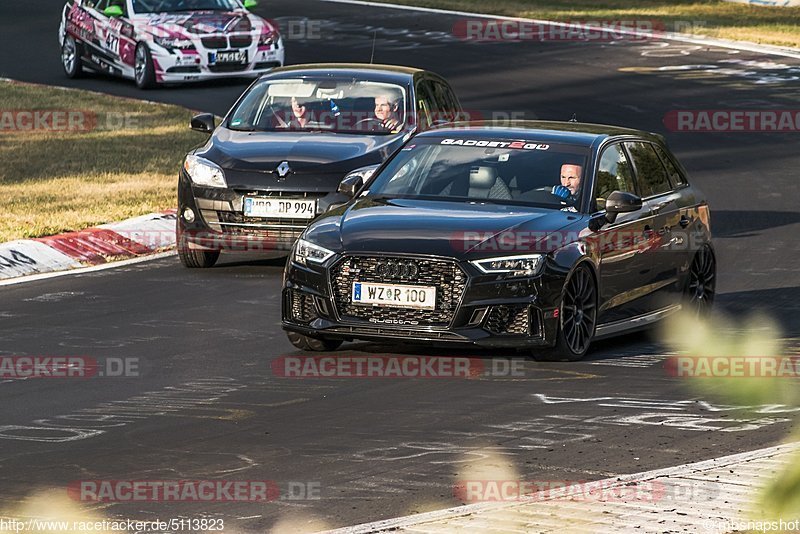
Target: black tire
{"points": [[702, 282], [71, 54], [198, 259], [144, 71], [577, 318], [313, 344], [194, 258]]}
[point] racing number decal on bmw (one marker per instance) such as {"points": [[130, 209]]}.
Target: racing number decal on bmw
{"points": [[112, 43]]}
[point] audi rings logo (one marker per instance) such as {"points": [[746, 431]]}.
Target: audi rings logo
{"points": [[397, 269]]}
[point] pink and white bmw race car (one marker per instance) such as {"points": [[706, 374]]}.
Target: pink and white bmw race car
{"points": [[168, 41]]}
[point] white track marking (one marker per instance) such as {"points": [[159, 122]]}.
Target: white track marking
{"points": [[672, 36]]}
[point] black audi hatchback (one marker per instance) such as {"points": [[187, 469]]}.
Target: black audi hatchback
{"points": [[537, 235], [275, 161]]}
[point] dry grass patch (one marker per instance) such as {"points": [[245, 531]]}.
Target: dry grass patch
{"points": [[123, 165]]}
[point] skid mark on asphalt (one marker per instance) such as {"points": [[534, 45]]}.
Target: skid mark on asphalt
{"points": [[638, 361], [356, 35], [269, 404], [668, 49], [433, 452], [680, 415], [532, 370], [732, 72], [532, 434], [195, 399], [55, 297]]}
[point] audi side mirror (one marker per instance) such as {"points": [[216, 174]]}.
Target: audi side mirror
{"points": [[203, 123], [621, 202]]}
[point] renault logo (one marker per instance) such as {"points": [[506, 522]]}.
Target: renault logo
{"points": [[397, 269], [283, 169]]}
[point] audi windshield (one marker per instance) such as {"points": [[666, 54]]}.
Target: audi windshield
{"points": [[486, 170], [341, 105]]}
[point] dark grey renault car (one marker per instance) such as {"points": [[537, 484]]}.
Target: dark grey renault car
{"points": [[538, 236], [276, 160]]}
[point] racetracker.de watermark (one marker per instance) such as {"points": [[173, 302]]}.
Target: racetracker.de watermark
{"points": [[606, 241], [192, 490], [517, 490], [47, 120], [560, 490], [733, 120], [513, 30], [26, 367], [373, 366], [733, 367], [20, 121]]}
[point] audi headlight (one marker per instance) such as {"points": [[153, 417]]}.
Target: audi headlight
{"points": [[204, 172], [171, 43], [306, 251], [511, 265]]}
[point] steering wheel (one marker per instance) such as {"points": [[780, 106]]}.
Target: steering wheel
{"points": [[550, 190], [371, 119]]}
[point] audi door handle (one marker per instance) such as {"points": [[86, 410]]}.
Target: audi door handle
{"points": [[684, 222]]}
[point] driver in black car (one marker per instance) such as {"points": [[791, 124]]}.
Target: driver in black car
{"points": [[570, 186], [386, 107]]}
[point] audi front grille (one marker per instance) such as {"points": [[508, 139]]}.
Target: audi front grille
{"points": [[445, 275]]}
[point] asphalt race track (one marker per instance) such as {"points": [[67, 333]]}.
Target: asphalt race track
{"points": [[207, 405]]}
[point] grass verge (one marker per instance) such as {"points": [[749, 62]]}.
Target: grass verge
{"points": [[73, 159], [710, 18]]}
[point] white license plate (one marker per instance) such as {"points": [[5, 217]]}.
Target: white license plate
{"points": [[397, 296], [279, 208], [232, 56]]}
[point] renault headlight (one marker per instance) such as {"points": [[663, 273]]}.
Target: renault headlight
{"points": [[204, 172], [306, 251], [529, 265]]}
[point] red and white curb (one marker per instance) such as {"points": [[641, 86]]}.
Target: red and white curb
{"points": [[132, 238]]}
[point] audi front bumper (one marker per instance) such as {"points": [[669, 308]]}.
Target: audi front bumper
{"points": [[472, 308]]}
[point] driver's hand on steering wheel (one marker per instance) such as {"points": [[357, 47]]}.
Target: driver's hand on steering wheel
{"points": [[561, 192], [390, 124]]}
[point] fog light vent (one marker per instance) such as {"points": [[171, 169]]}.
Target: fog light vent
{"points": [[509, 320], [302, 307]]}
